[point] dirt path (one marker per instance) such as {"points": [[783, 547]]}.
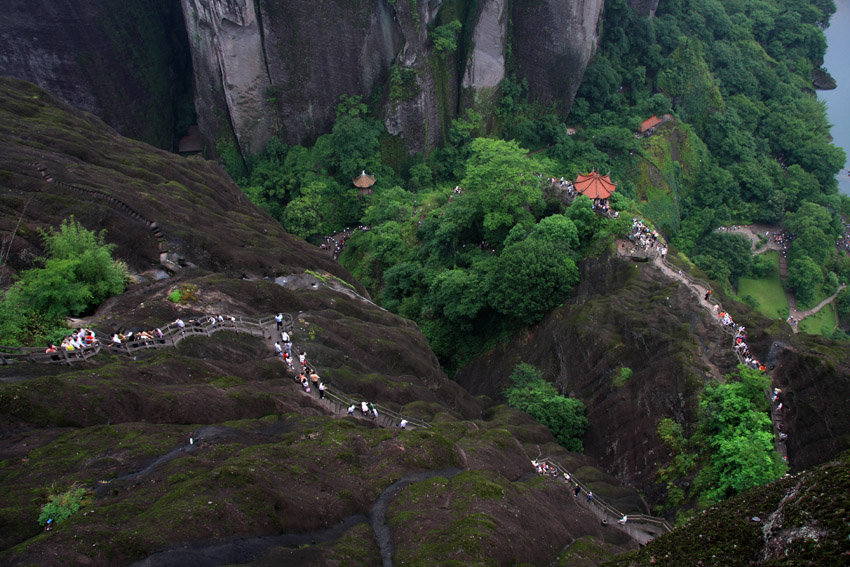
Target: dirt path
{"points": [[808, 312]]}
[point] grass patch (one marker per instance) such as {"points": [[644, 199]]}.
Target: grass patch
{"points": [[821, 323], [770, 298]]}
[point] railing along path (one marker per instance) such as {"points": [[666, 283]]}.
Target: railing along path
{"points": [[172, 334], [640, 526], [695, 284]]}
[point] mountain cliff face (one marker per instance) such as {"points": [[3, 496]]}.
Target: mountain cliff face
{"points": [[485, 67], [231, 77], [126, 61], [553, 41], [268, 67], [282, 69]]}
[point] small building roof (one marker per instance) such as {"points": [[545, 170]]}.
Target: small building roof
{"points": [[595, 186], [191, 142], [650, 123], [363, 181]]}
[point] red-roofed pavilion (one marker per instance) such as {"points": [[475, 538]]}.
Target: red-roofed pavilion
{"points": [[364, 183], [649, 124], [595, 186]]}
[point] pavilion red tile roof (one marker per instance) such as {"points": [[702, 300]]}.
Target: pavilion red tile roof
{"points": [[595, 186], [649, 123], [363, 181]]}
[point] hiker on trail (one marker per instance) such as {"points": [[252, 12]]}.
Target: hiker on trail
{"points": [[180, 324], [707, 295], [577, 491], [364, 407], [288, 348], [589, 496], [321, 390], [402, 424], [284, 336], [278, 349], [375, 413], [371, 407], [314, 378], [279, 320], [566, 478], [351, 409], [782, 437], [623, 520], [302, 358]]}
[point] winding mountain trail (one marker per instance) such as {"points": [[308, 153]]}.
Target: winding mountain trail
{"points": [[808, 312], [755, 233], [700, 288]]}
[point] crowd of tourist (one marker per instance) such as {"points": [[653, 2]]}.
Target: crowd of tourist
{"points": [[648, 240], [75, 342], [336, 242]]}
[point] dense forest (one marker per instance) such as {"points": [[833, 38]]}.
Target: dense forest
{"points": [[749, 143]]}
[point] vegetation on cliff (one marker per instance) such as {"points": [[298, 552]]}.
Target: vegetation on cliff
{"points": [[731, 450], [77, 275]]}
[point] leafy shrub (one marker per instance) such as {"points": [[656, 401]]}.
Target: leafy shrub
{"points": [[61, 505], [78, 274], [445, 37], [622, 377], [563, 416], [185, 293]]}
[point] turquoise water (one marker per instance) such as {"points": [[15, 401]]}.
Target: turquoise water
{"points": [[837, 62]]}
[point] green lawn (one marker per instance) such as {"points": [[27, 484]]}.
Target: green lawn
{"points": [[821, 323], [768, 293]]}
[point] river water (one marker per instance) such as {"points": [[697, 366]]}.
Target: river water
{"points": [[837, 62]]}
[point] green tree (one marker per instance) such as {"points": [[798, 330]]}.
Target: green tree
{"points": [[78, 274], [531, 277], [445, 36], [803, 277], [564, 417], [558, 229], [502, 186], [738, 430]]}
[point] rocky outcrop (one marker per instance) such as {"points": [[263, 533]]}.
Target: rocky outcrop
{"points": [[421, 112], [318, 51], [282, 70], [815, 382], [622, 316], [230, 74], [485, 67], [553, 41], [123, 60]]}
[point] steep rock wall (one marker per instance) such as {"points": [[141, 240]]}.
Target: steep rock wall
{"points": [[553, 41], [421, 116], [281, 70], [485, 67], [123, 60], [622, 315], [230, 75], [320, 50], [815, 382]]}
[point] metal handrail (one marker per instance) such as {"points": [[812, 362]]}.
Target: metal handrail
{"points": [[345, 400], [171, 335], [604, 506]]}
